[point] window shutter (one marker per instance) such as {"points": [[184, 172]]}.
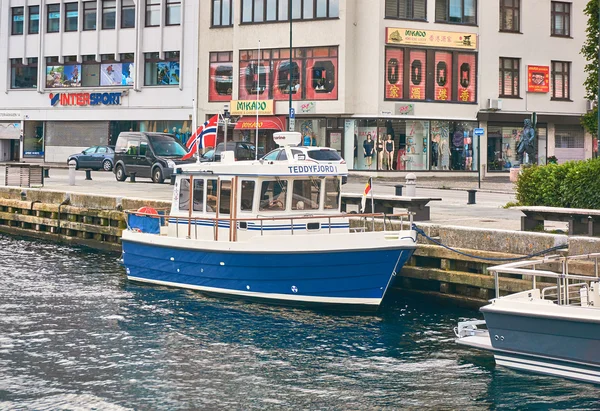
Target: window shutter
{"points": [[441, 10], [419, 9], [391, 8]]}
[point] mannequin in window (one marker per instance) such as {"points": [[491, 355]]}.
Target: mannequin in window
{"points": [[445, 154], [389, 152], [368, 150], [435, 151], [379, 147]]}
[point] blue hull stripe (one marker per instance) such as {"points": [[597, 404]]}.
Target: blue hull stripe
{"points": [[341, 274]]}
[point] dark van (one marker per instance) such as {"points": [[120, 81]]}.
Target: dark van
{"points": [[151, 155]]}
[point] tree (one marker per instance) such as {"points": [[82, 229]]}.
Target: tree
{"points": [[590, 52]]}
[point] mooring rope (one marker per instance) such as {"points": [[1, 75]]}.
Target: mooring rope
{"points": [[536, 254]]}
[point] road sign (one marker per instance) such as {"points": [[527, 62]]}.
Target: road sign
{"points": [[292, 113], [479, 131], [292, 124]]}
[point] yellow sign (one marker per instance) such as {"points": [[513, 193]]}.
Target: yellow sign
{"points": [[431, 38], [250, 107]]}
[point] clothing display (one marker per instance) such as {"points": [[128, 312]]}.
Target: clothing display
{"points": [[389, 146], [368, 146], [434, 153]]}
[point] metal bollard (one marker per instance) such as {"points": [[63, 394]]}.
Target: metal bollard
{"points": [[411, 185], [72, 165], [399, 189], [132, 177], [88, 174], [471, 196], [173, 179]]}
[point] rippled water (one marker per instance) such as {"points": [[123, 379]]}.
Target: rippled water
{"points": [[74, 334]]}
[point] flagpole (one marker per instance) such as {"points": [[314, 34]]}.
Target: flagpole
{"points": [[257, 90], [372, 201]]}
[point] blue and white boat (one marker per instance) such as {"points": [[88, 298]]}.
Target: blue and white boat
{"points": [[267, 230], [553, 328]]}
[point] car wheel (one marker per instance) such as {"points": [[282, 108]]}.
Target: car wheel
{"points": [[157, 175], [120, 173], [106, 165]]}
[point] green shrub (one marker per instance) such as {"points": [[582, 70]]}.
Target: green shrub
{"points": [[575, 184]]}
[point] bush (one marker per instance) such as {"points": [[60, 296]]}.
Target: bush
{"points": [[575, 184]]}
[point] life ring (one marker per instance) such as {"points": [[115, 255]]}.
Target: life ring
{"points": [[147, 210]]}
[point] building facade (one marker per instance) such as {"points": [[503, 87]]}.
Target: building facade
{"points": [[79, 72], [422, 85]]}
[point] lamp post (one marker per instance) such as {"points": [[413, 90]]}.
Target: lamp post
{"points": [[290, 120]]}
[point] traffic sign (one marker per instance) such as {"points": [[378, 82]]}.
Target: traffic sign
{"points": [[479, 131], [292, 112], [292, 124]]}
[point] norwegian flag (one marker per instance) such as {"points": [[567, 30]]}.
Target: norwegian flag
{"points": [[204, 136]]}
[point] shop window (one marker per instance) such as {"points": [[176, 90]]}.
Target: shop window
{"points": [[510, 15], [406, 9], [221, 13], [34, 20], [273, 196], [443, 76], [247, 195], [394, 63], [321, 82], [23, 76], [561, 71], [466, 78], [220, 85], [109, 12], [89, 15], [53, 18], [509, 79], [259, 11], [256, 79], [173, 13], [288, 78], [163, 72], [127, 14], [456, 11], [17, 21], [152, 13], [71, 16], [33, 139], [561, 19], [184, 194], [418, 70]]}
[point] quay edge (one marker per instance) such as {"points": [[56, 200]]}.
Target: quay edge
{"points": [[97, 221]]}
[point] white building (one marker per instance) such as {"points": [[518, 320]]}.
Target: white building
{"points": [[427, 72], [76, 73]]}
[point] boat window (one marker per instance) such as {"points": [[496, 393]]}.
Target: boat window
{"points": [[247, 196], [211, 196], [198, 195], [225, 199], [184, 194], [332, 193], [273, 195], [306, 194]]}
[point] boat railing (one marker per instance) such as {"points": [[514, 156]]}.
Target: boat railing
{"points": [[388, 222], [569, 287]]}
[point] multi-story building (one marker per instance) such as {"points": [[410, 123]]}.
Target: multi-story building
{"points": [[76, 72], [445, 84]]}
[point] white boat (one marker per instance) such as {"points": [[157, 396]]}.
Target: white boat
{"points": [[267, 230], [553, 328]]}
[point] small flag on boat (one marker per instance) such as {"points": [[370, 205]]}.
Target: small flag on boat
{"points": [[363, 202]]}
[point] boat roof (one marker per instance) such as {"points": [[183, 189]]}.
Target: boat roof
{"points": [[261, 168]]}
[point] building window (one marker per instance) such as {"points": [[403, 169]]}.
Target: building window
{"points": [[430, 75], [34, 20], [561, 71], [63, 75], [456, 11], [220, 84], [71, 16], [173, 13], [109, 12], [406, 9], [510, 12], [311, 75], [509, 84], [17, 21], [127, 14], [152, 13], [53, 18], [89, 15], [561, 19], [221, 13], [260, 11], [23, 76], [163, 72]]}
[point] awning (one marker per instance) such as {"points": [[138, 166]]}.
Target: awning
{"points": [[264, 123]]}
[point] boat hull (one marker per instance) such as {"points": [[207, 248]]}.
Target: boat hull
{"points": [[355, 279]]}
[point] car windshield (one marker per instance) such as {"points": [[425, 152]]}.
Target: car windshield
{"points": [[272, 156], [166, 146], [324, 155]]}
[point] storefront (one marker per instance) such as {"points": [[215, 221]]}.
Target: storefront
{"points": [[10, 134]]}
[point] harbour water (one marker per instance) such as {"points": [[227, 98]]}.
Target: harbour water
{"points": [[75, 334]]}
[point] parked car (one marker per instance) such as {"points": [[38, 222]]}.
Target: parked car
{"points": [[150, 155], [242, 150], [208, 155], [96, 158], [323, 155]]}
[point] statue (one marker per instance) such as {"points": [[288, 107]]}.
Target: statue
{"points": [[527, 144]]}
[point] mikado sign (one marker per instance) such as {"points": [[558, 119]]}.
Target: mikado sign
{"points": [[249, 107]]}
